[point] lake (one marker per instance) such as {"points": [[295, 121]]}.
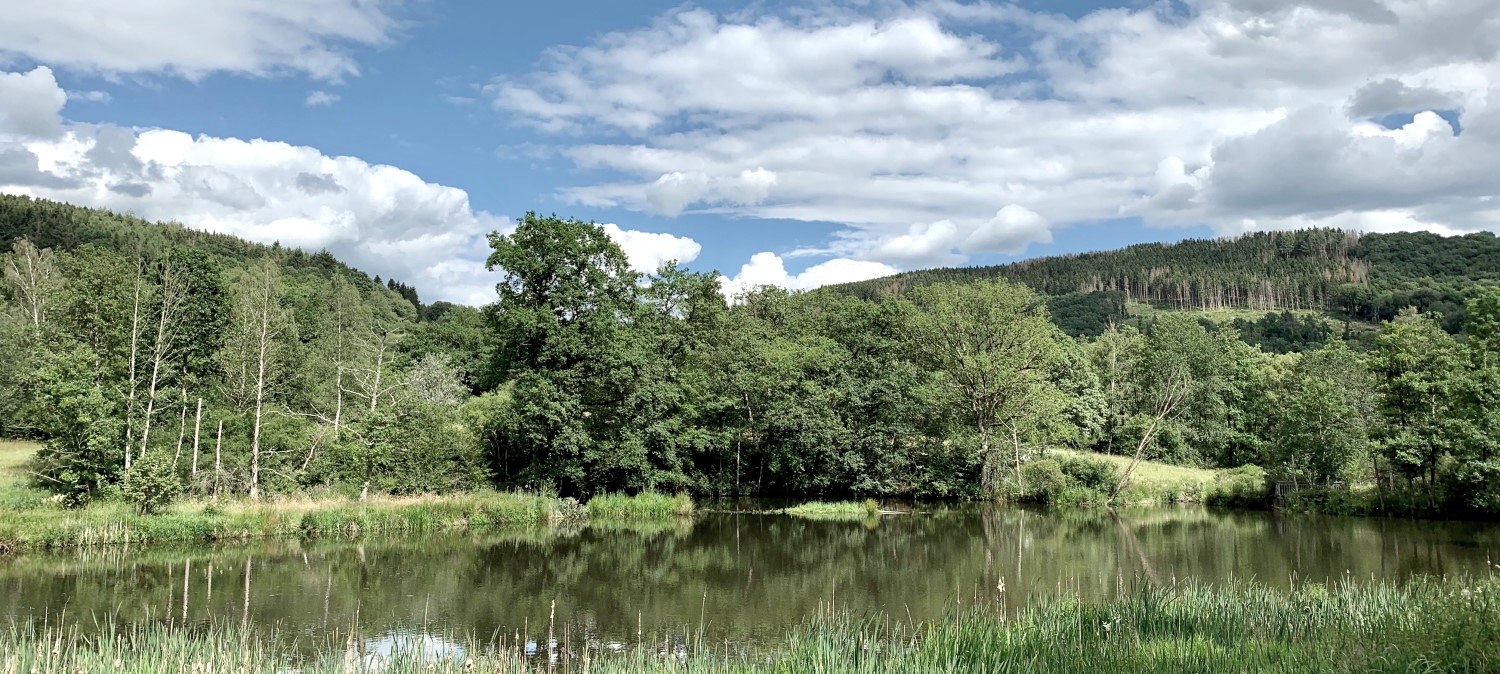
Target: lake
{"points": [[740, 578]]}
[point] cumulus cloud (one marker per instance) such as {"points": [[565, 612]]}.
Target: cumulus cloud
{"points": [[648, 251], [30, 103], [381, 219], [940, 130], [193, 39], [769, 269]]}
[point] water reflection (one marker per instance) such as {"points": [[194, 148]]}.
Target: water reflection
{"points": [[739, 578]]}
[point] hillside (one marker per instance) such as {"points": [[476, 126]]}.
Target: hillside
{"points": [[1367, 277], [66, 228]]}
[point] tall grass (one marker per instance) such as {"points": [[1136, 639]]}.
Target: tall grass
{"points": [[848, 511], [645, 506], [1428, 626]]}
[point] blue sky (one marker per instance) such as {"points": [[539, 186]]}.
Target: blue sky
{"points": [[795, 144]]}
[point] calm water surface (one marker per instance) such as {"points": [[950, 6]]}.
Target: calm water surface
{"points": [[741, 578]]}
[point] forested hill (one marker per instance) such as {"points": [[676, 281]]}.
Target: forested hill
{"points": [[1368, 277], [64, 227]]}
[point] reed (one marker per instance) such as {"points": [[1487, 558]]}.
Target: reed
{"points": [[1427, 625], [646, 506], [847, 511]]}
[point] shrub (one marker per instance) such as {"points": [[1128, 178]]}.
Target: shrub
{"points": [[1243, 487], [1043, 479], [1089, 473], [151, 484]]}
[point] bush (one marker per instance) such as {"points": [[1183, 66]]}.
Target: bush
{"points": [[1243, 487], [151, 484], [1043, 480], [1330, 501], [1094, 474]]}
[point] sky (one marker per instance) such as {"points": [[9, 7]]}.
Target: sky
{"points": [[796, 144]]}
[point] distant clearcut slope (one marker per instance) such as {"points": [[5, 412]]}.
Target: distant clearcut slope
{"points": [[1369, 276]]}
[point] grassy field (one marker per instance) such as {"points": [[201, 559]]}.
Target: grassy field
{"points": [[34, 522], [15, 492], [1151, 481], [1428, 626]]}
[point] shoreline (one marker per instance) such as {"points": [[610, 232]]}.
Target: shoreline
{"points": [[207, 522]]}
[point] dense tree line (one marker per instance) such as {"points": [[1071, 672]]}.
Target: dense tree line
{"points": [[251, 374]]}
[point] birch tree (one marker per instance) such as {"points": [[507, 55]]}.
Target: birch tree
{"points": [[254, 356], [166, 340], [33, 281]]}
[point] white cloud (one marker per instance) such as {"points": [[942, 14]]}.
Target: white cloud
{"points": [[768, 269], [648, 251], [381, 219], [91, 96], [193, 38], [30, 103], [932, 138], [320, 98], [674, 191]]}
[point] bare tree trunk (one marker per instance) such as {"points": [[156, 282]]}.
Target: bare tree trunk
{"points": [[181, 431], [172, 295], [1173, 393], [262, 361], [218, 457], [338, 404], [197, 430], [379, 368]]}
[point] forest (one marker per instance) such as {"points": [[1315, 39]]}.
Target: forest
{"points": [[152, 360]]}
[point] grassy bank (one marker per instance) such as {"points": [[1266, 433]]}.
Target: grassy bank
{"points": [[1151, 481], [1429, 626], [35, 522]]}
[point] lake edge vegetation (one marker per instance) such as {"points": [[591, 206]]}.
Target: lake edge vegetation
{"points": [[1429, 624], [158, 363]]}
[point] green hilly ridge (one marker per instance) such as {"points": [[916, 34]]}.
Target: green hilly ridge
{"points": [[64, 227], [1360, 277]]}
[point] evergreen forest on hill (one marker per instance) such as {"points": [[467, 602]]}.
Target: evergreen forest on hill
{"points": [[1361, 277], [153, 361]]}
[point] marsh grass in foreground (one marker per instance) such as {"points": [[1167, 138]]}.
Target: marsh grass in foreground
{"points": [[53, 527], [1426, 625]]}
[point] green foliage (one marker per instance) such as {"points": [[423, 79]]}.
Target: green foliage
{"points": [[151, 484], [1245, 487], [1423, 374], [1043, 480], [1090, 473], [1000, 358], [586, 378]]}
